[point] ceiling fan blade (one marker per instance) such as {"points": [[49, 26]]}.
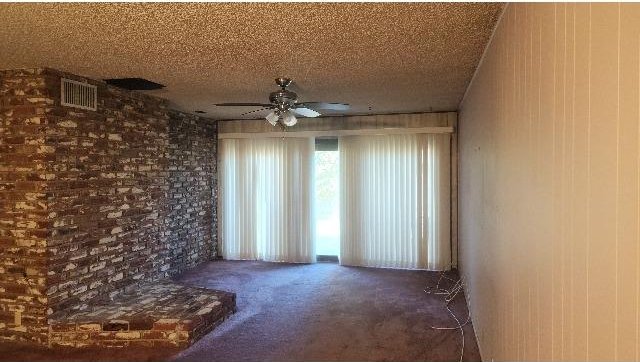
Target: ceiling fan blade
{"points": [[242, 105], [325, 105], [305, 112], [257, 110]]}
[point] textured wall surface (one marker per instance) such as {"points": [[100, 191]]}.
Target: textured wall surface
{"points": [[128, 191], [24, 203], [549, 185], [191, 216]]}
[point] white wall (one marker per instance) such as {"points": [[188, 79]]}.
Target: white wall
{"points": [[550, 186]]}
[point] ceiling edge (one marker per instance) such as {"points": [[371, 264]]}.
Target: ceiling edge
{"points": [[484, 53]]}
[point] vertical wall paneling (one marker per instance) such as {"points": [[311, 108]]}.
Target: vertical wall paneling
{"points": [[549, 188]]}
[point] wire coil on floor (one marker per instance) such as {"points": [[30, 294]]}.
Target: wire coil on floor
{"points": [[449, 295]]}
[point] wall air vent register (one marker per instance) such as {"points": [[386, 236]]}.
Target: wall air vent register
{"points": [[79, 95]]}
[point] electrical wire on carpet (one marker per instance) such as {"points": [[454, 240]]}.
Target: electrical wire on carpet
{"points": [[449, 295]]}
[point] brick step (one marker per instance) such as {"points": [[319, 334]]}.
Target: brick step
{"points": [[162, 314]]}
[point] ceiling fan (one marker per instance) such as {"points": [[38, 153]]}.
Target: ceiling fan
{"points": [[284, 106]]}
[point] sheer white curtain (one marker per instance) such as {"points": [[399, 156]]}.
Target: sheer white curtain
{"points": [[266, 199], [395, 201]]}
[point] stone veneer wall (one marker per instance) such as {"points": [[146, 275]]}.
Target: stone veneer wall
{"points": [[96, 202], [191, 217], [24, 202]]}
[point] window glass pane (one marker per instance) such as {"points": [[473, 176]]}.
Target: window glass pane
{"points": [[327, 204]]}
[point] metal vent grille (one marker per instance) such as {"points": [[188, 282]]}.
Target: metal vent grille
{"points": [[79, 95]]}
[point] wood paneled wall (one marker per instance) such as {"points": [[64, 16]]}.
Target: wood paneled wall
{"points": [[550, 185]]}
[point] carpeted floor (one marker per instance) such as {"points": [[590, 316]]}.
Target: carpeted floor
{"points": [[302, 312], [325, 312]]}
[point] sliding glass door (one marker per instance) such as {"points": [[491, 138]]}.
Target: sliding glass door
{"points": [[371, 200]]}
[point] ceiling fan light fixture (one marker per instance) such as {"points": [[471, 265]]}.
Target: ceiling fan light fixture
{"points": [[272, 118], [289, 119], [284, 105]]}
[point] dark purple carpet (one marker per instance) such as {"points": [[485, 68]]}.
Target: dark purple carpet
{"points": [[325, 312], [307, 312]]}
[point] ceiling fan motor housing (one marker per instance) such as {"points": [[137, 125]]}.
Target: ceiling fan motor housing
{"points": [[283, 98], [283, 105]]}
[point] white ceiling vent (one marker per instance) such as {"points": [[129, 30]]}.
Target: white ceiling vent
{"points": [[79, 95]]}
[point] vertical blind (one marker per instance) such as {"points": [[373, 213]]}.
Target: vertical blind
{"points": [[266, 199], [395, 201]]}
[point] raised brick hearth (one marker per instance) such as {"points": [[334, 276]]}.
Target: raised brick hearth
{"points": [[162, 314]]}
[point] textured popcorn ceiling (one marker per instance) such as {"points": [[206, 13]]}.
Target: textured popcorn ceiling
{"points": [[380, 58]]}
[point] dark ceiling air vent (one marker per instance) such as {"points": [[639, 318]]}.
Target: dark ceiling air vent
{"points": [[134, 83]]}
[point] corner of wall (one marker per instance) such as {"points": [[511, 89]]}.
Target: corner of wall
{"points": [[95, 202]]}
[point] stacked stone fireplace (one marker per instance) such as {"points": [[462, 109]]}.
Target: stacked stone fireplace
{"points": [[96, 204]]}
